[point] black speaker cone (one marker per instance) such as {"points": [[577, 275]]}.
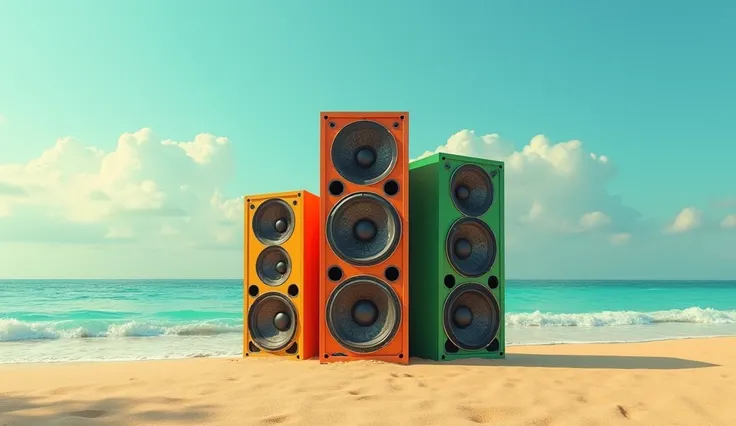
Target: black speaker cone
{"points": [[471, 190], [471, 247], [273, 222], [272, 321], [472, 316], [363, 229], [364, 152], [273, 265], [363, 314]]}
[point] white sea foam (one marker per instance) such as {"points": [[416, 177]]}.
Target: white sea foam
{"points": [[66, 341], [13, 330], [692, 315]]}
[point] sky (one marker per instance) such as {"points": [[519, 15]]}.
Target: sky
{"points": [[129, 131]]}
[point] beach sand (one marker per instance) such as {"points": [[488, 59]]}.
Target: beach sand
{"points": [[683, 382]]}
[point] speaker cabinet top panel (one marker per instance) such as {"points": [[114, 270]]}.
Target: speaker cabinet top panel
{"points": [[441, 156]]}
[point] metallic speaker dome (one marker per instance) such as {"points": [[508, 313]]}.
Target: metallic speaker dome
{"points": [[273, 266], [363, 314], [273, 222], [471, 247], [272, 321], [471, 190], [472, 316], [363, 229], [364, 152]]}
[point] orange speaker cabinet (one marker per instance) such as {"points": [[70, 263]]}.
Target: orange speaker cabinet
{"points": [[364, 258], [281, 291]]}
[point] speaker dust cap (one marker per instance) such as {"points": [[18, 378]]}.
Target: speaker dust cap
{"points": [[363, 229], [471, 247], [364, 152], [273, 265], [272, 321], [363, 314], [472, 316], [471, 190], [273, 222]]}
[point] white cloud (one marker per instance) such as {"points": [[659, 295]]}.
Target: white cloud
{"points": [[687, 220], [556, 187], [143, 189], [620, 239], [729, 222], [594, 220]]}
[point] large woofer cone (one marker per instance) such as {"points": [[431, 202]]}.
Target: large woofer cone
{"points": [[273, 266], [471, 190], [363, 229], [273, 222], [272, 321], [364, 152], [363, 314], [472, 317], [471, 247]]}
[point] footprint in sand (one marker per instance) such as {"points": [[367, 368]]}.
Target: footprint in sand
{"points": [[276, 420], [88, 414]]}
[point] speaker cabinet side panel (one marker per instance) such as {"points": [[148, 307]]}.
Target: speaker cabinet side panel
{"points": [[322, 294], [501, 261], [310, 289], [493, 279], [423, 240], [246, 271]]}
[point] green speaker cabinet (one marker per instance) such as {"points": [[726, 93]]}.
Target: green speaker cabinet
{"points": [[456, 252]]}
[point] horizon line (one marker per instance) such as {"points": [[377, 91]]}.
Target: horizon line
{"points": [[241, 279]]}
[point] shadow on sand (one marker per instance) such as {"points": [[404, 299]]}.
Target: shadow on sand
{"points": [[21, 410], [579, 361]]}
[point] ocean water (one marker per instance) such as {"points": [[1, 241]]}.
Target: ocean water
{"points": [[98, 320]]}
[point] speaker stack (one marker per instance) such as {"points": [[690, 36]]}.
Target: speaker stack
{"points": [[328, 276], [457, 259], [364, 264], [281, 276]]}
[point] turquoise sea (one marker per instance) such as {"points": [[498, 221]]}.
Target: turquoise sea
{"points": [[99, 320]]}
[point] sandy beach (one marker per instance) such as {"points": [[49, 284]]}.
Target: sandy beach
{"points": [[682, 382]]}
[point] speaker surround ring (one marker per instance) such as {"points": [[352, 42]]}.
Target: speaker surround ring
{"points": [[355, 299], [273, 266], [269, 220], [363, 229], [470, 247], [471, 190], [267, 313], [364, 152], [482, 327]]}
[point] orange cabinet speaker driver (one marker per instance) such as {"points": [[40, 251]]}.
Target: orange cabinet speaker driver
{"points": [[280, 286], [364, 265]]}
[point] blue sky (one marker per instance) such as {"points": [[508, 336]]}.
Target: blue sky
{"points": [[649, 86]]}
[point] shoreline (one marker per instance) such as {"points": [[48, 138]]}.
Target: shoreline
{"points": [[239, 355], [647, 383]]}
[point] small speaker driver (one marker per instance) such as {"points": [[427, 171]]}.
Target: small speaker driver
{"points": [[472, 316], [273, 265], [364, 152], [363, 229], [363, 314], [471, 247], [471, 190], [273, 222], [272, 321]]}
